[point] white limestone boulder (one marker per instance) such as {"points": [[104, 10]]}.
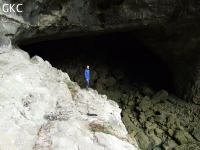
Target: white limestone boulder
{"points": [[42, 109]]}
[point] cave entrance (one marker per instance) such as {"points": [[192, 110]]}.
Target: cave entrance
{"points": [[118, 62]]}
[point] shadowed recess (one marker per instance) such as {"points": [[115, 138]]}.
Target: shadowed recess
{"points": [[117, 51]]}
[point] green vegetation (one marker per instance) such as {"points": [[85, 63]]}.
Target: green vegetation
{"points": [[110, 126], [106, 132], [108, 129], [70, 85], [100, 128]]}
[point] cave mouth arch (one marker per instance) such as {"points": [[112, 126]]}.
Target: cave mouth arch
{"points": [[115, 51]]}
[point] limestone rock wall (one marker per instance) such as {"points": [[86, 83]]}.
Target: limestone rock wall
{"points": [[156, 119], [170, 27], [178, 45], [47, 19], [42, 108]]}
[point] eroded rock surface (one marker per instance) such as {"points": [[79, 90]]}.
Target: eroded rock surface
{"points": [[42, 108], [170, 123], [156, 119], [49, 19], [170, 28]]}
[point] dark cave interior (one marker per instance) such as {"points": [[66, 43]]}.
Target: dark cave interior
{"points": [[116, 50]]}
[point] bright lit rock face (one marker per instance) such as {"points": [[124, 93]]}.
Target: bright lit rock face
{"points": [[38, 109], [42, 109]]}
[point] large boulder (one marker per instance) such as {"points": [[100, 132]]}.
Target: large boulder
{"points": [[146, 104], [196, 134], [118, 74], [193, 146], [143, 140], [110, 81], [42, 108], [183, 137]]}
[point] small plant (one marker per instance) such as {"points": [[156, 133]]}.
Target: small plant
{"points": [[100, 128], [70, 85], [110, 126], [106, 132], [108, 129]]}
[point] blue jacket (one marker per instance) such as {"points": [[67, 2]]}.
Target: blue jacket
{"points": [[87, 74]]}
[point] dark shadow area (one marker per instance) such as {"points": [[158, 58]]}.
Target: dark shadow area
{"points": [[116, 50]]}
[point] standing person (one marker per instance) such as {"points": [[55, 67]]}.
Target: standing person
{"points": [[87, 76]]}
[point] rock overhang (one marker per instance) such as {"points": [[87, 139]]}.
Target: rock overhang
{"points": [[169, 20], [60, 19]]}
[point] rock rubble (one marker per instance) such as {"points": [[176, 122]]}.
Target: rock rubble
{"points": [[157, 120], [162, 121]]}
